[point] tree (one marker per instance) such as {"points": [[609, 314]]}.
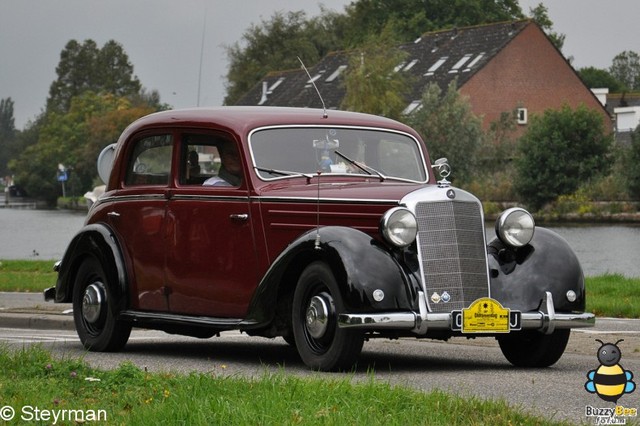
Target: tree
{"points": [[73, 139], [599, 78], [276, 44], [626, 68], [449, 128], [632, 166], [85, 67], [371, 82], [7, 135], [560, 151]]}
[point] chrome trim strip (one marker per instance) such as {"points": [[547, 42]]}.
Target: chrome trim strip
{"points": [[324, 200]]}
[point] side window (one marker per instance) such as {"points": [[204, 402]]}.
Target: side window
{"points": [[150, 161], [210, 160]]}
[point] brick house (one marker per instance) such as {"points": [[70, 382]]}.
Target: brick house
{"points": [[499, 67]]}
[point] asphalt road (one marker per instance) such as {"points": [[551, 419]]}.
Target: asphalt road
{"points": [[464, 367]]}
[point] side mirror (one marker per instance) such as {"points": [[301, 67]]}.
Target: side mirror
{"points": [[105, 162]]}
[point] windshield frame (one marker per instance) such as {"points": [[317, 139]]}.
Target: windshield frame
{"points": [[420, 152]]}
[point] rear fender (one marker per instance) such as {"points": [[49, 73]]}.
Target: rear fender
{"points": [[520, 278], [98, 241], [360, 264]]}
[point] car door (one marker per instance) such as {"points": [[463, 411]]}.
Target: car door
{"points": [[137, 215], [210, 254]]}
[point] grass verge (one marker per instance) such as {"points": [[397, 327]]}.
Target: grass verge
{"points": [[129, 395]]}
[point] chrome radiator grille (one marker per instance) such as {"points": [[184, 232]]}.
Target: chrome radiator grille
{"points": [[452, 253]]}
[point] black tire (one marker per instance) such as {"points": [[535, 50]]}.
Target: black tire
{"points": [[533, 349], [93, 310], [322, 345]]}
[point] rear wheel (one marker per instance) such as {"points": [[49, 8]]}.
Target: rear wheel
{"points": [[93, 312], [322, 345], [534, 349]]}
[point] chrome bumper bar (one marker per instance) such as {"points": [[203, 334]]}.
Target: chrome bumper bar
{"points": [[546, 320]]}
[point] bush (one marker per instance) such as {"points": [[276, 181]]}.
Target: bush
{"points": [[562, 150]]}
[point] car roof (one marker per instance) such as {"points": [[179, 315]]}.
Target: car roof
{"points": [[242, 119]]}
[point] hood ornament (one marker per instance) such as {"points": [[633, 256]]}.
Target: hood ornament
{"points": [[444, 170]]}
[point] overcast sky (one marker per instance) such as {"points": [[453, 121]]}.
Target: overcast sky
{"points": [[163, 39]]}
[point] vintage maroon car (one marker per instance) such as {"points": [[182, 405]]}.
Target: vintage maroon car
{"points": [[322, 228]]}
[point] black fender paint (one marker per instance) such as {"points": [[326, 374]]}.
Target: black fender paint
{"points": [[95, 240], [520, 277], [360, 263]]}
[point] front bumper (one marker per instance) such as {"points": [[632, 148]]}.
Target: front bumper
{"points": [[545, 320]]}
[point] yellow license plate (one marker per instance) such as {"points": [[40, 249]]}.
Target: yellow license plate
{"points": [[485, 315]]}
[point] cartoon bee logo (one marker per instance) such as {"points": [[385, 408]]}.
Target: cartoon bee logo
{"points": [[609, 381]]}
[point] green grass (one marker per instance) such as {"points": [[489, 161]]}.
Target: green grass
{"points": [[613, 295], [610, 295], [26, 275], [129, 395]]}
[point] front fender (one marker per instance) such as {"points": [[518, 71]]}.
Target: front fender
{"points": [[520, 278], [360, 264], [95, 240]]}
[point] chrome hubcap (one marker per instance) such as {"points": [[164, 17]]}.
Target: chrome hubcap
{"points": [[92, 302], [317, 317]]}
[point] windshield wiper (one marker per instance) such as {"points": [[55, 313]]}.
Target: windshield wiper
{"points": [[284, 172], [363, 167]]}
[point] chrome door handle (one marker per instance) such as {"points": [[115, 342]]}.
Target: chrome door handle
{"points": [[113, 214], [239, 217]]}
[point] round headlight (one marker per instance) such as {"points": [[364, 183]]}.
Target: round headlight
{"points": [[515, 227], [399, 227]]}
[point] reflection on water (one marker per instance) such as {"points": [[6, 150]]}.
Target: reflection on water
{"points": [[23, 233]]}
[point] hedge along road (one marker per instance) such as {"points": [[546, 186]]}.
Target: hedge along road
{"points": [[461, 366]]}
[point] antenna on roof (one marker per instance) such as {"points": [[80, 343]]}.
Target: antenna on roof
{"points": [[324, 108]]}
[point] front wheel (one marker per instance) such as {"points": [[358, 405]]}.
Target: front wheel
{"points": [[93, 312], [322, 345], [534, 349]]}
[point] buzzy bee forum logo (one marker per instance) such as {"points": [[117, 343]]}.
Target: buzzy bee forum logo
{"points": [[610, 381]]}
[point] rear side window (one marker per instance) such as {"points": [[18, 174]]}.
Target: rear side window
{"points": [[150, 161]]}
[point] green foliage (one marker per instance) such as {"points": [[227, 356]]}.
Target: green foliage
{"points": [[8, 135], [74, 139], [371, 84], [625, 68], [632, 165], [85, 67], [560, 151], [276, 44], [449, 129], [598, 78]]}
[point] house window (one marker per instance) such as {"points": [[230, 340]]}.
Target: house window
{"points": [[436, 65], [413, 106], [460, 63], [336, 73], [522, 116], [410, 65], [475, 61]]}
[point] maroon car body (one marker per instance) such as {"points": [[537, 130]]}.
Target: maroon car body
{"points": [[302, 242]]}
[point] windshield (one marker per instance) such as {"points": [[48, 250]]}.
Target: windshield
{"points": [[294, 151]]}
